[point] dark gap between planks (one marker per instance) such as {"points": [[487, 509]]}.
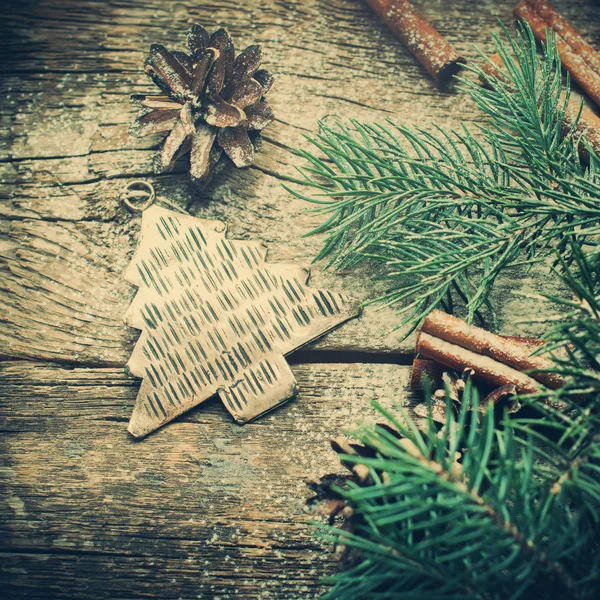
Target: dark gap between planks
{"points": [[349, 357]]}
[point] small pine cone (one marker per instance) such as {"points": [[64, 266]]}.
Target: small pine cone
{"points": [[211, 102]]}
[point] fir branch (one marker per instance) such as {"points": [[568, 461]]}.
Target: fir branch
{"points": [[422, 205], [573, 343], [427, 529], [517, 516]]}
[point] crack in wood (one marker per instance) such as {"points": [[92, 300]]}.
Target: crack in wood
{"points": [[64, 552], [300, 357]]}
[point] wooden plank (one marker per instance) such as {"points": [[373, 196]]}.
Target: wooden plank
{"points": [[204, 508], [63, 297], [68, 152]]}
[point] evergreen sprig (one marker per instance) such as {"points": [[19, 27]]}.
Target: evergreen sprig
{"points": [[445, 213], [517, 515], [500, 525]]}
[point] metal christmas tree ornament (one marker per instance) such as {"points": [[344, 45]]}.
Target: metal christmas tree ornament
{"points": [[217, 319]]}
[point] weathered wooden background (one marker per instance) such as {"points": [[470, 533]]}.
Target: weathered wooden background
{"points": [[203, 508]]}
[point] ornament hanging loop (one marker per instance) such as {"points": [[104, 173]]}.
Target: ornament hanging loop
{"points": [[132, 192]]}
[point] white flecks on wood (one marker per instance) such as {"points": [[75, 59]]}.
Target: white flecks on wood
{"points": [[208, 509], [183, 500]]}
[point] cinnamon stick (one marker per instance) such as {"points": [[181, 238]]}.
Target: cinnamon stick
{"points": [[445, 328], [566, 31], [588, 124], [433, 51], [577, 57], [433, 371]]}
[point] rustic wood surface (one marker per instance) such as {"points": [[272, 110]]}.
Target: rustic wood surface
{"points": [[204, 508]]}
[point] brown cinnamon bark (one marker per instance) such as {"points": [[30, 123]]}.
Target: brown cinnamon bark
{"points": [[588, 124], [433, 371], [447, 328], [500, 393], [440, 59], [493, 68], [486, 369], [581, 70], [567, 32]]}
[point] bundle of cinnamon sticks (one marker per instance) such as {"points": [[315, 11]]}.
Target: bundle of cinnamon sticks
{"points": [[577, 56], [493, 359]]}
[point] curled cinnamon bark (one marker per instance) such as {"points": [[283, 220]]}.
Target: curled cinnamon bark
{"points": [[577, 57], [442, 328], [588, 124], [423, 368], [500, 393], [440, 59]]}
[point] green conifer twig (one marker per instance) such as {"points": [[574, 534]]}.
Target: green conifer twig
{"points": [[444, 214]]}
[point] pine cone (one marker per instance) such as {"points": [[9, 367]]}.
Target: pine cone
{"points": [[211, 101], [449, 381]]}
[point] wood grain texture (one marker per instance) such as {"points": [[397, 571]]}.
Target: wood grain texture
{"points": [[204, 509], [69, 69], [200, 509]]}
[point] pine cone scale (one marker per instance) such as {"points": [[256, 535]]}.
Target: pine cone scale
{"points": [[247, 62], [158, 102], [156, 121], [185, 61], [201, 70], [166, 157], [221, 40], [244, 94], [197, 40], [216, 77], [200, 152], [237, 145], [210, 100], [265, 78], [164, 65], [223, 114], [259, 115], [187, 119]]}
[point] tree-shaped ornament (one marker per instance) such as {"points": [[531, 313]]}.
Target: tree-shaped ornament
{"points": [[215, 318]]}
